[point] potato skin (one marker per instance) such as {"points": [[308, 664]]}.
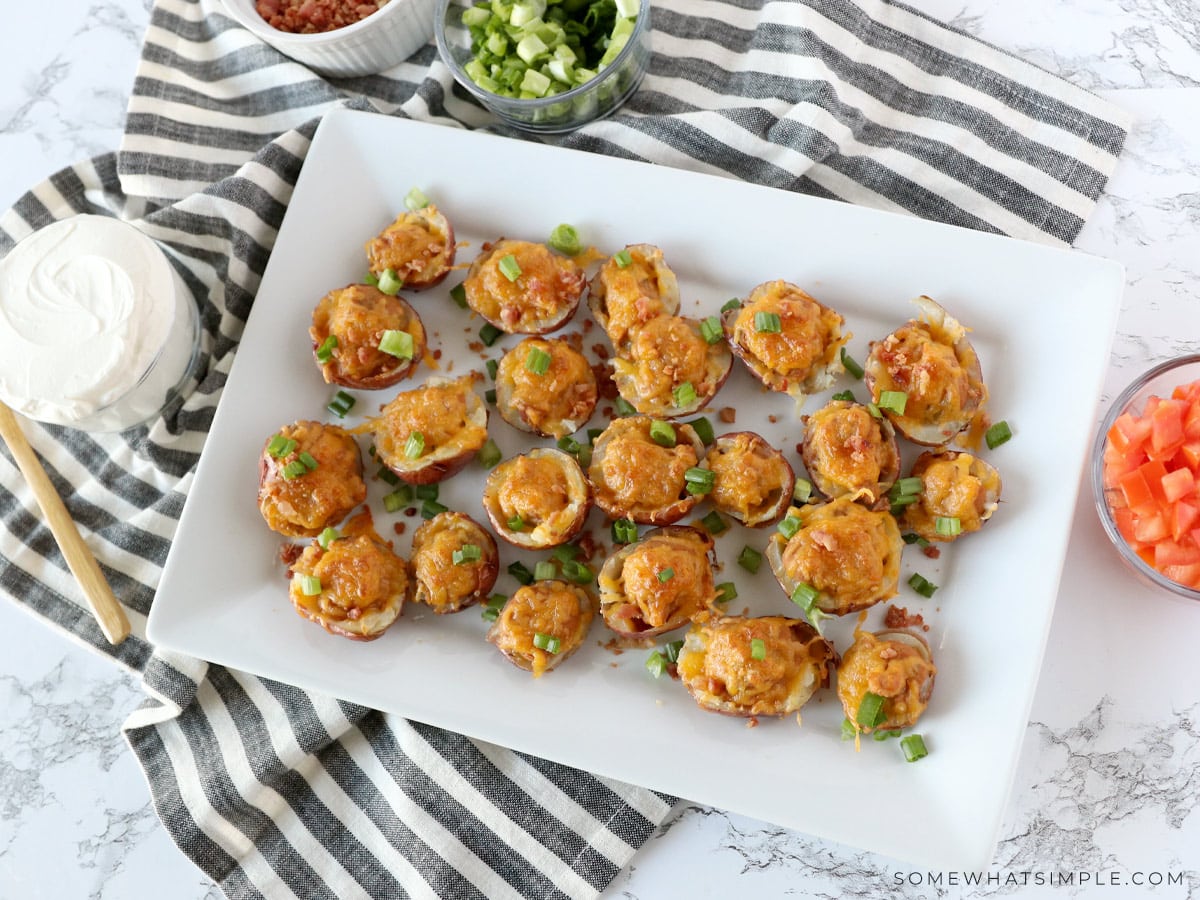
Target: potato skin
{"points": [[663, 354], [357, 316], [442, 584], [849, 452], [554, 404], [634, 478], [743, 461], [896, 665], [624, 298], [542, 298], [555, 608], [544, 479], [418, 246], [956, 485], [305, 505]]}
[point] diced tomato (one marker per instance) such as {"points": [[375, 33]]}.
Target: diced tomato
{"points": [[1184, 574], [1175, 553], [1191, 422], [1154, 471], [1166, 434], [1136, 489], [1124, 520], [1178, 484], [1190, 453], [1184, 517], [1133, 431], [1149, 529]]}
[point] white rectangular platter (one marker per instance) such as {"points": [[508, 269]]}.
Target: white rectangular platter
{"points": [[1042, 321]]}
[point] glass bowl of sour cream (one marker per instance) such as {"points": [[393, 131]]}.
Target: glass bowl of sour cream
{"points": [[98, 331]]}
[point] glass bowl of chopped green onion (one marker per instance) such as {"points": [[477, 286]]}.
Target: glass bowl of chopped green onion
{"points": [[546, 65]]}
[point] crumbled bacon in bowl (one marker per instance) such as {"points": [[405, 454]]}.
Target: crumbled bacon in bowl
{"points": [[314, 16]]}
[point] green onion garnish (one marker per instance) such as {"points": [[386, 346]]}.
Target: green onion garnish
{"points": [[431, 508], [656, 664], [714, 524], [913, 747], [703, 429], [565, 239], [310, 585], [624, 407], [489, 454], [325, 351], [509, 267], [458, 294], [805, 596], [726, 592], [390, 282], [922, 586], [397, 343], [415, 199], [593, 433], [948, 526], [280, 446], [520, 572], [846, 395], [874, 410], [544, 570], [665, 575], [565, 552], [870, 710], [537, 361], [624, 531], [698, 480], [387, 476], [398, 499], [662, 433], [568, 444], [735, 303], [622, 258], [671, 650], [788, 527], [893, 400], [767, 323], [802, 490], [293, 469], [492, 368], [426, 491], [910, 537], [341, 404], [851, 365], [998, 434], [492, 606], [758, 648], [309, 461], [489, 334], [371, 279], [711, 330], [849, 732], [414, 446], [327, 537], [685, 395], [516, 523], [467, 553], [490, 397], [547, 642], [887, 734], [749, 559], [577, 572], [912, 485]]}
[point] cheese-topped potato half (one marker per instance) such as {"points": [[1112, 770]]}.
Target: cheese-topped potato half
{"points": [[658, 583], [929, 369], [752, 481], [538, 499], [850, 453], [849, 554], [427, 434], [765, 666], [309, 477], [542, 624], [639, 469], [959, 492], [523, 287], [896, 666], [354, 586], [545, 386], [788, 340], [631, 288], [418, 247], [364, 338], [668, 369], [454, 562]]}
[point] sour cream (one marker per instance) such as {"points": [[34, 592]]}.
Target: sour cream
{"points": [[97, 329]]}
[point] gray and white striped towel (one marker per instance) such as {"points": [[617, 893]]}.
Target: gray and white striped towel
{"points": [[277, 792]]}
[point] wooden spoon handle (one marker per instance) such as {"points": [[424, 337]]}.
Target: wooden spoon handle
{"points": [[105, 606]]}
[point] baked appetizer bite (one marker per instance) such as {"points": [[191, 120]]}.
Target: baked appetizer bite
{"points": [[640, 469], [848, 554], [418, 247], [668, 369], [351, 584], [454, 562], [958, 493], [632, 287], [788, 340], [364, 338], [309, 477], [659, 583], [427, 434], [542, 624], [524, 288], [925, 376], [850, 453], [537, 500], [752, 481], [546, 386], [765, 666], [885, 680]]}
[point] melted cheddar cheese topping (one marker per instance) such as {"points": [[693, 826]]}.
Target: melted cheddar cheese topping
{"points": [[666, 352], [440, 412], [358, 316], [954, 485], [558, 401], [938, 384], [443, 583], [894, 670], [634, 472], [302, 506], [846, 450], [536, 488], [412, 246], [746, 480], [635, 294], [808, 336], [547, 287], [675, 599], [553, 608]]}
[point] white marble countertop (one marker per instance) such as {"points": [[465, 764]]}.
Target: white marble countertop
{"points": [[1106, 790]]}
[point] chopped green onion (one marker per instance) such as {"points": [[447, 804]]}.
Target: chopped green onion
{"points": [[415, 199], [805, 596], [327, 537], [325, 351], [585, 456], [458, 294], [849, 732], [516, 523], [397, 343], [998, 434], [870, 710], [662, 433], [547, 642], [749, 559], [593, 433], [280, 446], [767, 323], [431, 508], [489, 334], [671, 650], [390, 282], [310, 585], [492, 606], [665, 575], [341, 404], [910, 537], [467, 553], [802, 490], [520, 572], [624, 531], [726, 592], [622, 258], [387, 476], [293, 469], [426, 491], [309, 461], [703, 429], [489, 454], [893, 400], [788, 527], [414, 446], [698, 480], [874, 410], [711, 330], [922, 586], [568, 444], [912, 485], [398, 499], [851, 365], [888, 734], [565, 239], [758, 648], [371, 279], [656, 664], [714, 524], [492, 368], [913, 747], [948, 526], [577, 572], [735, 303], [490, 397], [847, 395], [509, 267], [544, 571], [565, 552], [685, 395], [624, 407], [537, 361]]}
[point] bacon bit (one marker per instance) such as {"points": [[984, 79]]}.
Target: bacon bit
{"points": [[605, 386], [599, 349], [399, 527], [587, 546], [587, 325], [899, 617], [437, 354], [432, 358], [800, 448], [411, 511], [931, 551], [619, 645], [475, 346], [752, 722], [727, 414], [288, 554], [772, 418], [574, 341]]}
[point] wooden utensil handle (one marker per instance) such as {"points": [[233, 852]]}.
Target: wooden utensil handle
{"points": [[104, 604]]}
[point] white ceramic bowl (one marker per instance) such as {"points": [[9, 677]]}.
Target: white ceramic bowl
{"points": [[376, 43]]}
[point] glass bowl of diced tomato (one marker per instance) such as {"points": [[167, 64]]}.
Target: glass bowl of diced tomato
{"points": [[1146, 475]]}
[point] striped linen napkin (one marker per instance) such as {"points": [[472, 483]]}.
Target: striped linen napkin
{"points": [[278, 792]]}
